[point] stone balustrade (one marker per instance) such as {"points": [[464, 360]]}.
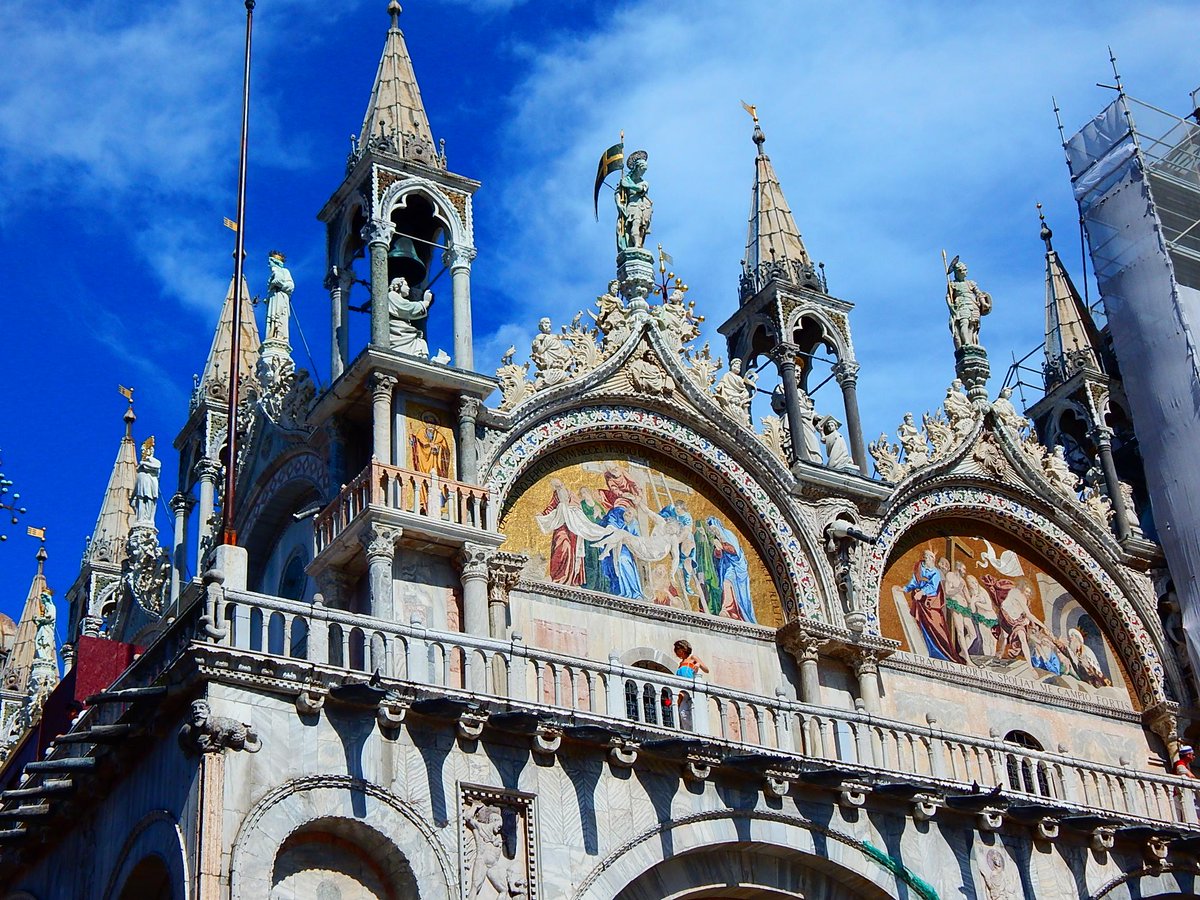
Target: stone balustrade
{"points": [[440, 500]]}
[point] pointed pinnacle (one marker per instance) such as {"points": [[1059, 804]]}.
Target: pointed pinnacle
{"points": [[394, 10]]}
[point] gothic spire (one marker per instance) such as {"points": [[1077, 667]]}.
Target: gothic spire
{"points": [[1072, 338], [112, 525], [25, 646], [774, 248], [395, 116], [215, 382]]}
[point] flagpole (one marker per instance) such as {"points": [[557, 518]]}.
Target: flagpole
{"points": [[228, 534]]}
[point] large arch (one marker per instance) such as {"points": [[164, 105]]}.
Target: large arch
{"points": [[296, 481], [396, 196], [397, 831], [156, 836], [788, 553], [1124, 625], [761, 853]]}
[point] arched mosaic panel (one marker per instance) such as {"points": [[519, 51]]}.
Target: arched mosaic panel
{"points": [[620, 521], [1092, 587], [785, 554]]}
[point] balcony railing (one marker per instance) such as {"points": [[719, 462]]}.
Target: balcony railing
{"points": [[572, 689], [440, 500]]}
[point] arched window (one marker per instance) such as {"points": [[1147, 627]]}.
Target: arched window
{"points": [[631, 702], [1025, 774], [293, 583]]}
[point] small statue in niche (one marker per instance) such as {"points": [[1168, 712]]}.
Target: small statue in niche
{"points": [[646, 377], [279, 298], [634, 206], [145, 487], [551, 355], [43, 637], [959, 410], [403, 314], [967, 304], [493, 874], [835, 445], [808, 427]]}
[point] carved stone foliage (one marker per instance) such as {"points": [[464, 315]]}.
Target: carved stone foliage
{"points": [[147, 570], [1091, 582], [288, 392], [206, 733], [499, 844], [784, 552]]}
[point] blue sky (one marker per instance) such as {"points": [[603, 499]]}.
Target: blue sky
{"points": [[897, 130]]}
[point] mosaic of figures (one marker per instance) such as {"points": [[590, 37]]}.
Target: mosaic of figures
{"points": [[978, 602], [640, 530], [430, 440]]}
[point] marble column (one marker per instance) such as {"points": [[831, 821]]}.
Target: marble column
{"points": [[378, 235], [207, 470], [382, 387], [784, 356], [338, 283], [473, 566], [468, 452], [805, 647], [336, 456], [846, 373], [1102, 435], [181, 505], [866, 669], [379, 541], [458, 261]]}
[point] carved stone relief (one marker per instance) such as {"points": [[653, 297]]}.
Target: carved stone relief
{"points": [[499, 844]]}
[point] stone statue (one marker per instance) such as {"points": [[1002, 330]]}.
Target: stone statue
{"points": [[1006, 414], [838, 457], [887, 459], [646, 377], [43, 637], [634, 206], [734, 392], [811, 451], [403, 312], [1058, 472], [959, 410], [584, 352], [967, 304], [279, 298], [774, 435], [676, 321], [612, 320], [551, 355], [145, 487], [206, 733], [1097, 504], [916, 450]]}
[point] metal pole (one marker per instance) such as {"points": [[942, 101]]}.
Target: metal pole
{"points": [[229, 536]]}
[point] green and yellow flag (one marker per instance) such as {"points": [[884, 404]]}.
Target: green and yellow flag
{"points": [[612, 161]]}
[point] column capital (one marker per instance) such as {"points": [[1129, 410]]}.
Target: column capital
{"points": [[378, 231], [469, 409], [1102, 435], [803, 644], [473, 561], [457, 258], [382, 385], [846, 373], [784, 353], [208, 469], [865, 662], [181, 503], [380, 541]]}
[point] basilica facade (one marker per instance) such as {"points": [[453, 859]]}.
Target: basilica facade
{"points": [[637, 618]]}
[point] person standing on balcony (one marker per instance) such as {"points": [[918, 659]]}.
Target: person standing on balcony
{"points": [[1183, 765], [689, 664]]}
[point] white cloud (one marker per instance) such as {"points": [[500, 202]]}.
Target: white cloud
{"points": [[896, 130]]}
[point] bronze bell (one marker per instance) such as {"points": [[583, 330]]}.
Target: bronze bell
{"points": [[403, 261]]}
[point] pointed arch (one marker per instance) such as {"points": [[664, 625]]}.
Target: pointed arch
{"points": [[397, 194]]}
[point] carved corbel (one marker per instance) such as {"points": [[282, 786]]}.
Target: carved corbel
{"points": [[775, 787], [697, 768], [310, 702], [853, 795], [1046, 830], [547, 740], [1155, 851], [990, 819], [205, 733], [1163, 719], [390, 713], [1103, 839], [925, 807], [623, 754], [470, 724]]}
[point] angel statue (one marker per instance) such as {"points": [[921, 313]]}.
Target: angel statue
{"points": [[279, 298]]}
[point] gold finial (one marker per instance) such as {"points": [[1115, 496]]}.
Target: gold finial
{"points": [[752, 109]]}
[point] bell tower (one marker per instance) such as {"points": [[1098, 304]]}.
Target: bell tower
{"points": [[787, 314], [398, 428]]}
